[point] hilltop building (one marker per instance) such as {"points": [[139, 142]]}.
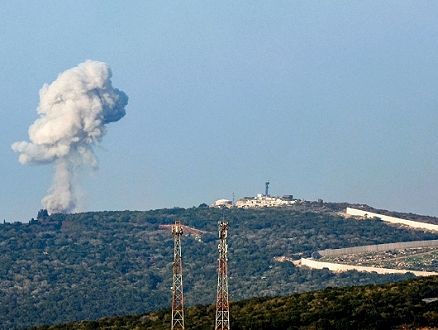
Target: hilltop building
{"points": [[265, 201], [222, 203], [258, 201]]}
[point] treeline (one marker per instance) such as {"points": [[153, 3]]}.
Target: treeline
{"points": [[74, 267], [373, 307]]}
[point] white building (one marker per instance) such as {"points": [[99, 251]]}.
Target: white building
{"points": [[222, 203], [264, 201]]}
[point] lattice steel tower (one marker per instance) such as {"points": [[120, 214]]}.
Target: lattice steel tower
{"points": [[177, 281], [222, 303]]}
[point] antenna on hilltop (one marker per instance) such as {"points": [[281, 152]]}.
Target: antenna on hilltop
{"points": [[267, 188]]}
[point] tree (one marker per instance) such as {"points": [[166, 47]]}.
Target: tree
{"points": [[42, 215]]}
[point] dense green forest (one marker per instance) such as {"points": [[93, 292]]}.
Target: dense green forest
{"points": [[74, 267], [397, 305]]}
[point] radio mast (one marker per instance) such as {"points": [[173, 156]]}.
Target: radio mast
{"points": [[177, 281], [222, 303]]}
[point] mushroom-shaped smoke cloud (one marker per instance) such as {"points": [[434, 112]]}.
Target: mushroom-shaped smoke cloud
{"points": [[74, 112]]}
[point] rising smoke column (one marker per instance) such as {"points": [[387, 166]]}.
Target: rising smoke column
{"points": [[74, 112]]}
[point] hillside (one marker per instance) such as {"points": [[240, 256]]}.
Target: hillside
{"points": [[391, 306], [90, 265]]}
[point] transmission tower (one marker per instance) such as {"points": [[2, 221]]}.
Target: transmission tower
{"points": [[222, 303], [177, 281]]}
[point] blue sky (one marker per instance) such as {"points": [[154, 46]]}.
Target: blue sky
{"points": [[326, 99]]}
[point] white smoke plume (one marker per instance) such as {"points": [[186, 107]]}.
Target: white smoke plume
{"points": [[74, 112]]}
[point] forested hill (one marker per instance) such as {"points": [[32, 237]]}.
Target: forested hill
{"points": [[399, 306], [89, 265]]}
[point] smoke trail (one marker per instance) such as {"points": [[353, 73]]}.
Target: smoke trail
{"points": [[74, 112]]}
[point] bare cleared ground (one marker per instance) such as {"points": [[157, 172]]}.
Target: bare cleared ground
{"points": [[423, 259]]}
